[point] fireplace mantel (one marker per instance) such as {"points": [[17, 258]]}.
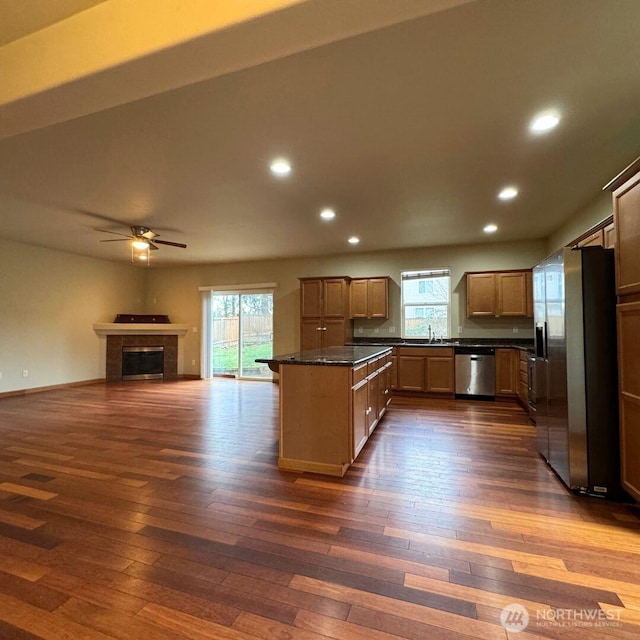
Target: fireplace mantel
{"points": [[139, 329]]}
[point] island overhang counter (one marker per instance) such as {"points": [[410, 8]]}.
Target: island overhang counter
{"points": [[331, 400]]}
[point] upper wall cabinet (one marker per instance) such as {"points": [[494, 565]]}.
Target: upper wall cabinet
{"points": [[499, 294], [324, 312], [626, 208], [370, 297]]}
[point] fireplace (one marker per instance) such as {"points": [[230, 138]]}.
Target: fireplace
{"points": [[142, 332], [142, 363]]}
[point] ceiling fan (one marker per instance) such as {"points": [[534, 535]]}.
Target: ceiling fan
{"points": [[142, 235], [142, 241]]}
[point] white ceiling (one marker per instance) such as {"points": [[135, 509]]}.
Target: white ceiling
{"points": [[408, 131]]}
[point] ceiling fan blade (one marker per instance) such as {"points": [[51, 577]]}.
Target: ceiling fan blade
{"points": [[149, 235], [171, 244], [117, 240], [152, 246], [115, 233]]}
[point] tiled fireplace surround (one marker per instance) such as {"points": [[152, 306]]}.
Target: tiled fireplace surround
{"points": [[114, 353], [118, 335]]}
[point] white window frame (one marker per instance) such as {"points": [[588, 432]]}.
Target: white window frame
{"points": [[415, 275]]}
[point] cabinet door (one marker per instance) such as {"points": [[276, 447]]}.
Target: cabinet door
{"points": [[506, 372], [378, 298], [358, 295], [334, 332], [481, 294], [529, 294], [411, 371], [372, 416], [335, 302], [626, 217], [393, 373], [439, 374], [511, 288], [596, 239], [310, 333], [311, 298], [629, 381], [360, 403], [609, 236]]}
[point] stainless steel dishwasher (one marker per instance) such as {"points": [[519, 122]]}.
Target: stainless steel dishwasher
{"points": [[475, 372]]}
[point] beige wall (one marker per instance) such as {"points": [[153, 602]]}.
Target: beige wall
{"points": [[582, 221], [175, 290], [49, 301]]}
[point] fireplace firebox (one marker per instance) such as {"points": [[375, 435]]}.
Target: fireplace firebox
{"points": [[142, 363]]}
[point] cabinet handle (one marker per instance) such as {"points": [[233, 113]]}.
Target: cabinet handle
{"points": [[368, 411]]}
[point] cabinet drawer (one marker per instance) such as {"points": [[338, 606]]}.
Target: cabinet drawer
{"points": [[425, 351], [524, 377], [523, 366], [358, 374]]}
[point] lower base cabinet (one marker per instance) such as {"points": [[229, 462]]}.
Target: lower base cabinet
{"points": [[425, 369], [628, 315], [327, 413], [507, 367]]}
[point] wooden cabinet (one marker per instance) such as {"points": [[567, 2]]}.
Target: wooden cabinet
{"points": [[439, 374], [512, 294], [626, 220], [595, 239], [481, 294], [360, 401], [626, 217], [411, 372], [507, 367], [628, 314], [609, 236], [429, 369], [523, 378], [327, 413], [500, 294], [369, 297], [324, 312]]}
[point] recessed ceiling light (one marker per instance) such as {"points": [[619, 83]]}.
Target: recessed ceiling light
{"points": [[544, 122], [490, 228], [327, 214], [280, 167], [354, 240], [508, 193]]}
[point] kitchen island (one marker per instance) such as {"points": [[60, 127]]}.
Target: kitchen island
{"points": [[331, 400]]}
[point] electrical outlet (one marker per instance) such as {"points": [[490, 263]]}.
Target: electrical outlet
{"points": [[459, 329], [193, 363], [194, 329], [392, 329], [515, 329], [376, 330], [359, 329], [25, 373]]}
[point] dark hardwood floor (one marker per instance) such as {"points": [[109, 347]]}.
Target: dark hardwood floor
{"points": [[156, 511]]}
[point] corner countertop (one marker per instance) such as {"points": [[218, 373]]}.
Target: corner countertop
{"points": [[348, 356]]}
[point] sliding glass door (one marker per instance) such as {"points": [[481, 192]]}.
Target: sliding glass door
{"points": [[241, 331]]}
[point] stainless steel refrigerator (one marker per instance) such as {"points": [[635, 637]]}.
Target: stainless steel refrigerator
{"points": [[576, 369]]}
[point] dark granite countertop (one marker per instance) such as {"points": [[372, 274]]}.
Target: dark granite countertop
{"points": [[347, 356], [505, 343]]}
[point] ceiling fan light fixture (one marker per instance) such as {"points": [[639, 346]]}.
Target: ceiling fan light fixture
{"points": [[140, 244], [280, 167]]}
